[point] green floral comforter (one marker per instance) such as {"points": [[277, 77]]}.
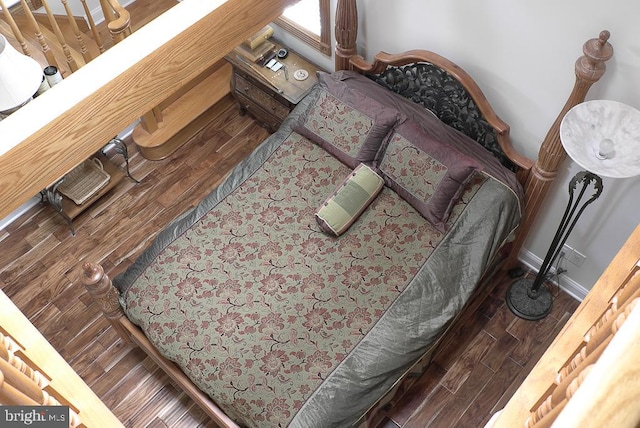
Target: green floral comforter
{"points": [[283, 325]]}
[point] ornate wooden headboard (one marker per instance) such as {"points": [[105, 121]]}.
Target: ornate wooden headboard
{"points": [[472, 106], [435, 89]]}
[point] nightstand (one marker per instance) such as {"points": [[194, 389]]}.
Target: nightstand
{"points": [[269, 95]]}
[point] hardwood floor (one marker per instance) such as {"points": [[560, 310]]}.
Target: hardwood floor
{"points": [[473, 374]]}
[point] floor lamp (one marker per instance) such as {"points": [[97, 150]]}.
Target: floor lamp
{"points": [[20, 78], [603, 137]]}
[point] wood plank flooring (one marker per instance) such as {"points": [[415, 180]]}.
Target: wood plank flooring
{"points": [[473, 374]]}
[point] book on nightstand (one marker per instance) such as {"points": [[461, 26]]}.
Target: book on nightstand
{"points": [[255, 55]]}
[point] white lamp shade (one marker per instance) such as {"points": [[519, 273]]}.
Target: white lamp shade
{"points": [[603, 137], [20, 76]]}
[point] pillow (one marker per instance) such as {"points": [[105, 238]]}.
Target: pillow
{"points": [[361, 83], [349, 200], [429, 123], [413, 111], [346, 123], [425, 172]]}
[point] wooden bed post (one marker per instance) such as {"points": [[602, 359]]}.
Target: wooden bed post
{"points": [[346, 32], [589, 69], [105, 295]]}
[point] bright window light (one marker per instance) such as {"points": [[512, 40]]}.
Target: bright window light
{"points": [[305, 13]]}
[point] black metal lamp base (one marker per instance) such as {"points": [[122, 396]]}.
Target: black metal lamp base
{"points": [[526, 303], [521, 298]]}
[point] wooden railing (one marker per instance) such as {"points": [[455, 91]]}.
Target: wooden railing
{"points": [[32, 373], [67, 42], [52, 134], [21, 384], [574, 373]]}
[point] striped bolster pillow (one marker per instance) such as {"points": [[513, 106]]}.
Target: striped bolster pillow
{"points": [[349, 200]]}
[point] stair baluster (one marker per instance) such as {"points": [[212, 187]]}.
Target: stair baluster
{"points": [[97, 38], [46, 50], [14, 28], [73, 65], [22, 384], [76, 31], [25, 24]]}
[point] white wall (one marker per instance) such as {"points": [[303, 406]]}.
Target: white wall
{"points": [[522, 54]]}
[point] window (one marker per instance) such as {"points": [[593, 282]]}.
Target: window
{"points": [[310, 21]]}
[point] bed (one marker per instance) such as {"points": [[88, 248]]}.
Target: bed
{"points": [[330, 263]]}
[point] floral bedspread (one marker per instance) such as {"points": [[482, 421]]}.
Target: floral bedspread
{"points": [[284, 325]]}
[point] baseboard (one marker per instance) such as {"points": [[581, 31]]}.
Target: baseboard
{"points": [[567, 285], [4, 222]]}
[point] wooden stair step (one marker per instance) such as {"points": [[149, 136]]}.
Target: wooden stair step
{"points": [[184, 116]]}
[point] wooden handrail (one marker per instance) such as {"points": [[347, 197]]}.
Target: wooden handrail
{"points": [[603, 333], [118, 18], [33, 373]]}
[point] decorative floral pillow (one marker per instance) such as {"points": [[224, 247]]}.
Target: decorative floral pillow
{"points": [[346, 123], [338, 212], [427, 173]]}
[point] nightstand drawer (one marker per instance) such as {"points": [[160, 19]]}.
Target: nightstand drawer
{"points": [[268, 119], [264, 100]]}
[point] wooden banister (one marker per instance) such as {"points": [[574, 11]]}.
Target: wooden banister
{"points": [[76, 31], [12, 396], [72, 63], [32, 373], [118, 18], [49, 46], [551, 408], [92, 25], [25, 384], [8, 351]]}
